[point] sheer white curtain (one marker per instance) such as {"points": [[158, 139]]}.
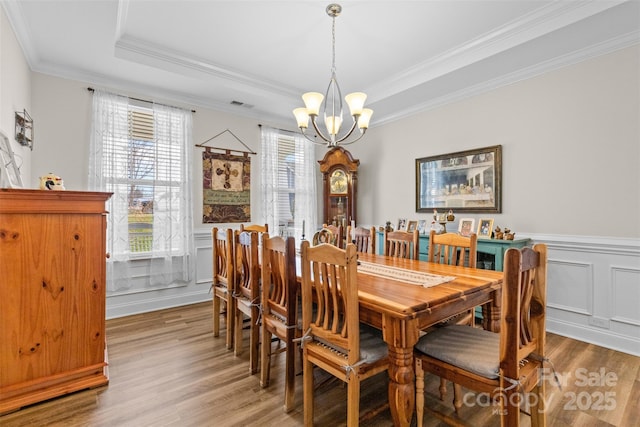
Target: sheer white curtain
{"points": [[169, 258], [276, 192]]}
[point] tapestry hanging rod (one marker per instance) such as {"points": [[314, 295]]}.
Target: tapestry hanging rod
{"points": [[227, 150]]}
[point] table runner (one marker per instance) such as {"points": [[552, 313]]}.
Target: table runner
{"points": [[408, 276]]}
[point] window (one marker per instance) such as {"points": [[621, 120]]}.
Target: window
{"points": [[141, 168], [289, 183], [142, 156]]}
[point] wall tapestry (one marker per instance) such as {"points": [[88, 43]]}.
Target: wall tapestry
{"points": [[226, 193]]}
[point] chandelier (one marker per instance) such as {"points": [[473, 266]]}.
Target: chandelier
{"points": [[333, 103]]}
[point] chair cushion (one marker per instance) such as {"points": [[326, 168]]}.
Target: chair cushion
{"points": [[471, 349], [372, 346]]}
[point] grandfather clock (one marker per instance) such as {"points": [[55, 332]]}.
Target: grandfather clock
{"points": [[340, 186]]}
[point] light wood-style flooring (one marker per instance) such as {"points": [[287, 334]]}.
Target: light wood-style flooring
{"points": [[167, 369]]}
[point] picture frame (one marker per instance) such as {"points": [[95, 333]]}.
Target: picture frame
{"points": [[412, 226], [466, 181], [422, 226], [402, 224], [485, 228], [9, 170], [466, 226]]}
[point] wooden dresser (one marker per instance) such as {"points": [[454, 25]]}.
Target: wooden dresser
{"points": [[52, 294]]}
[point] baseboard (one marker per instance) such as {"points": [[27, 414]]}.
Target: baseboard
{"points": [[605, 339], [125, 307]]}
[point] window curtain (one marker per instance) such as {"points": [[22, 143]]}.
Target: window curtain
{"points": [[169, 263], [305, 208]]}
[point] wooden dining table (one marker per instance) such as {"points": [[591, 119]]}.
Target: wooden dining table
{"points": [[402, 310]]}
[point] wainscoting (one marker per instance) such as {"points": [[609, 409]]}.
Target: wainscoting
{"points": [[593, 289]]}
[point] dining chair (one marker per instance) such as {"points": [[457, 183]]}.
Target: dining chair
{"points": [[334, 340], [402, 244], [338, 232], [453, 249], [247, 295], [255, 227], [325, 235], [279, 296], [504, 364], [363, 238], [223, 281]]}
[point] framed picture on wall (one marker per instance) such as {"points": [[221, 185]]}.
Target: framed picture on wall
{"points": [[485, 228], [466, 181]]}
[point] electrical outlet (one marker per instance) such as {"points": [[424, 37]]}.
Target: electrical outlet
{"points": [[600, 322]]}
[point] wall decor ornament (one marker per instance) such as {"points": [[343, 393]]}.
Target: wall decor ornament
{"points": [[24, 129], [9, 170], [467, 181]]}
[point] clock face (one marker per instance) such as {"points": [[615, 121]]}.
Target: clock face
{"points": [[338, 182]]}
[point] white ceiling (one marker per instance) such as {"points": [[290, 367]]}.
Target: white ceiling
{"points": [[408, 56]]}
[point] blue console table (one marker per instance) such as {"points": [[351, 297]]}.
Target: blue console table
{"points": [[494, 247]]}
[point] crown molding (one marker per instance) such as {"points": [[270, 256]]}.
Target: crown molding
{"points": [[529, 27]]}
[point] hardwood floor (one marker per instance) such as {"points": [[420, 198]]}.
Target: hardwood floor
{"points": [[167, 369]]}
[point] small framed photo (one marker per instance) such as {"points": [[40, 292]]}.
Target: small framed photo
{"points": [[411, 226], [422, 226], [485, 228], [402, 224], [466, 226]]}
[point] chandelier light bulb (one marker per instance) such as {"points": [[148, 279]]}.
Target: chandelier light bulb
{"points": [[365, 117], [333, 124], [313, 101], [302, 117], [355, 101]]}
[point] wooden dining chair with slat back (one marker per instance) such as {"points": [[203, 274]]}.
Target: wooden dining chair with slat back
{"points": [[402, 244], [334, 339], [363, 238], [338, 233], [223, 281], [453, 249], [325, 235], [255, 227], [506, 365], [279, 318], [247, 295]]}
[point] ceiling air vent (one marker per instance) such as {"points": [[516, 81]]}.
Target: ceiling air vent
{"points": [[241, 104]]}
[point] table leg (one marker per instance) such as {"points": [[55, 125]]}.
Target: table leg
{"points": [[401, 336], [491, 312]]}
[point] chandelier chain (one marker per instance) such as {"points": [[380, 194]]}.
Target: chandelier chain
{"points": [[333, 44]]}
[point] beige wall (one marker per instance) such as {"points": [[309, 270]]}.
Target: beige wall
{"points": [[64, 111], [571, 150], [570, 138], [15, 92]]}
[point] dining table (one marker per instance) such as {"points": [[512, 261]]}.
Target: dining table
{"points": [[404, 297]]}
